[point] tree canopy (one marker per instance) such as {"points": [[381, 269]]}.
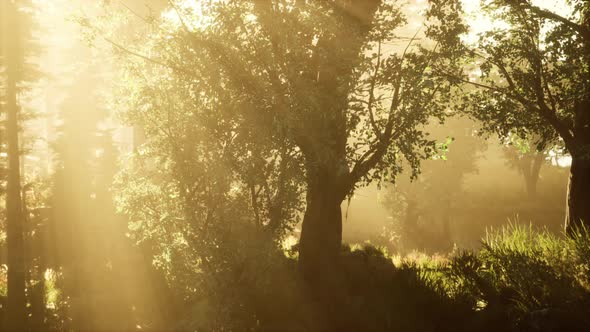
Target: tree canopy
{"points": [[532, 73]]}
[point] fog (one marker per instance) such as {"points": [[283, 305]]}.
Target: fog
{"points": [[294, 165]]}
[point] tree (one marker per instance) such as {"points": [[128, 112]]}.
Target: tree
{"points": [[527, 160], [314, 75], [535, 80], [261, 99], [78, 246], [15, 32]]}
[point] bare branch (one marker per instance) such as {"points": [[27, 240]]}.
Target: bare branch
{"points": [[372, 94], [379, 148], [133, 12]]}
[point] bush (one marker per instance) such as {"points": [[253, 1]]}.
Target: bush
{"points": [[409, 296], [524, 280], [249, 285]]}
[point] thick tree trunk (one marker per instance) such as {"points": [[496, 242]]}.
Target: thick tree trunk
{"points": [[16, 304], [578, 196], [14, 219], [324, 147], [578, 191], [321, 233], [319, 249]]}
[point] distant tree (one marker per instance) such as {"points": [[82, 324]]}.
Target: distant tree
{"points": [[423, 209], [15, 37], [86, 228], [527, 160], [535, 81]]}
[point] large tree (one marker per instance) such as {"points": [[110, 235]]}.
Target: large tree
{"points": [[534, 81], [327, 82], [317, 74]]}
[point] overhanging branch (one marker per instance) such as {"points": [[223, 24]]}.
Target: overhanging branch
{"points": [[543, 13]]}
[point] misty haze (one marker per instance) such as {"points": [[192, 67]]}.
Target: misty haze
{"points": [[294, 165]]}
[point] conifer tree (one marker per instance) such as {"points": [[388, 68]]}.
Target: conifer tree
{"points": [[15, 33]]}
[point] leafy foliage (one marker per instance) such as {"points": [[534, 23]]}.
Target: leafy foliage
{"points": [[531, 71], [529, 280]]}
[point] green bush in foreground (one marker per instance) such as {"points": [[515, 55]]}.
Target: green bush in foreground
{"points": [[522, 280]]}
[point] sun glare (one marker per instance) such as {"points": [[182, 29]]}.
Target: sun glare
{"points": [[480, 23], [189, 13]]}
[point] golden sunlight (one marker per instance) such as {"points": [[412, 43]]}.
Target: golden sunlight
{"points": [[294, 165]]}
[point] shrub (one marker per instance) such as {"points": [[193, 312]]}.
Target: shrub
{"points": [[524, 280]]}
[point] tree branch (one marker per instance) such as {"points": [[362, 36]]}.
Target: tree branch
{"points": [[372, 95], [542, 110], [145, 57], [543, 13]]}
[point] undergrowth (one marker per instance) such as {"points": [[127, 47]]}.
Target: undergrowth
{"points": [[520, 280]]}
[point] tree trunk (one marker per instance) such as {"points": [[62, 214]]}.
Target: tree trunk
{"points": [[446, 236], [14, 218], [16, 303], [321, 231], [531, 172], [578, 196], [578, 191], [324, 148], [319, 249]]}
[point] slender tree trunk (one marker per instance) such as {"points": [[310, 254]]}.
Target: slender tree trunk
{"points": [[412, 215], [14, 218], [578, 196], [531, 175], [446, 236], [16, 303], [410, 223], [37, 298]]}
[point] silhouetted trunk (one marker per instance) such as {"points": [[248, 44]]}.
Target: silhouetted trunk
{"points": [[37, 300], [14, 219], [320, 245], [412, 214], [446, 238], [578, 196], [410, 223], [531, 174], [324, 137], [16, 310], [321, 233], [324, 147], [578, 193]]}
